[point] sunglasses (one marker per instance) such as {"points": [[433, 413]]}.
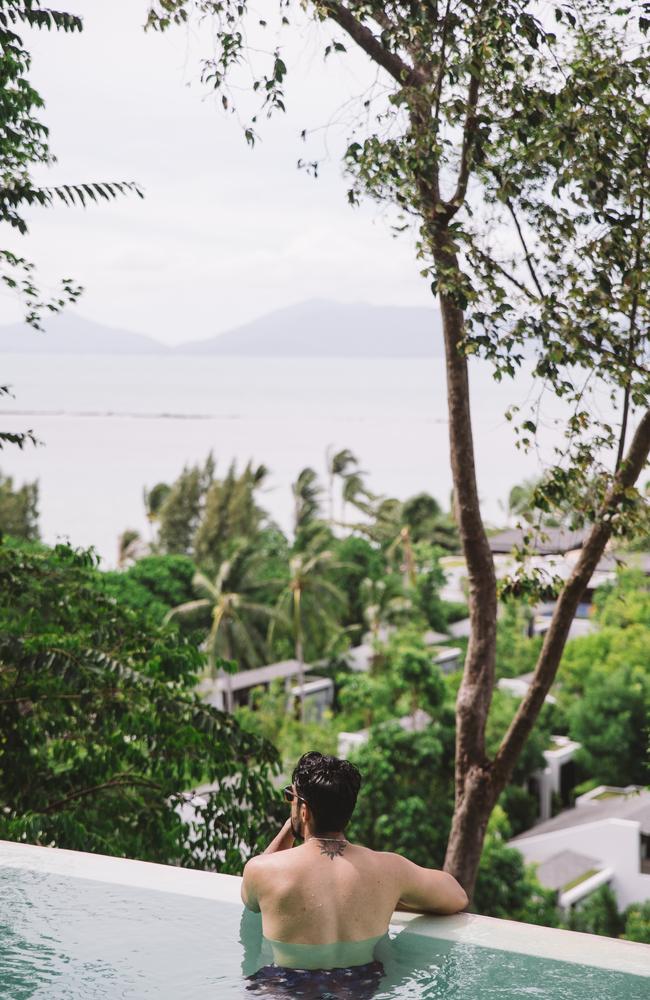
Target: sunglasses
{"points": [[290, 795]]}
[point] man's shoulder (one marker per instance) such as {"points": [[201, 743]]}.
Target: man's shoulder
{"points": [[385, 859], [257, 867]]}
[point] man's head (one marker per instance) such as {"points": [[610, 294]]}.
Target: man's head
{"points": [[326, 790]]}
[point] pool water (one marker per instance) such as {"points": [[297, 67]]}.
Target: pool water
{"points": [[66, 938]]}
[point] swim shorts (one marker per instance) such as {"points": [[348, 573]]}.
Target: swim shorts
{"points": [[358, 982]]}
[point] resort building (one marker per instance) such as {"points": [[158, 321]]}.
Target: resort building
{"points": [[557, 780], [228, 691], [446, 658], [604, 839], [349, 742]]}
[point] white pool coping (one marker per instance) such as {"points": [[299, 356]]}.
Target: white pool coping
{"points": [[463, 928]]}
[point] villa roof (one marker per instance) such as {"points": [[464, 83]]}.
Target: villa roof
{"points": [[633, 806], [360, 657], [553, 541], [432, 638], [565, 867], [460, 629], [258, 675]]}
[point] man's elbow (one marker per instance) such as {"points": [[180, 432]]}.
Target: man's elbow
{"points": [[457, 898]]}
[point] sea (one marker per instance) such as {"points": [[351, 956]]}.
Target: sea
{"points": [[109, 427]]}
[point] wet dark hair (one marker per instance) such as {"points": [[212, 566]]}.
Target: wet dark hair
{"points": [[330, 787]]}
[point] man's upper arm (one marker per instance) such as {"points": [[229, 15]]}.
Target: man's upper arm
{"points": [[429, 890], [248, 887]]}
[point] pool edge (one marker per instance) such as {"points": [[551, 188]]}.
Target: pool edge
{"points": [[465, 928]]}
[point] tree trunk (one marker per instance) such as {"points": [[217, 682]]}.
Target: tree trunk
{"points": [[473, 795], [479, 781], [469, 823]]}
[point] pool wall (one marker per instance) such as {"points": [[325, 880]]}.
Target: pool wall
{"points": [[465, 928]]}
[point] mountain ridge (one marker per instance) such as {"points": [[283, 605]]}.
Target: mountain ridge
{"points": [[314, 328]]}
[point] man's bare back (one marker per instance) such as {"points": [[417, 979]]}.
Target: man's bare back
{"points": [[328, 902]]}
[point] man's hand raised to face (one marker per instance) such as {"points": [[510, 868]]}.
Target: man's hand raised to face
{"points": [[283, 840]]}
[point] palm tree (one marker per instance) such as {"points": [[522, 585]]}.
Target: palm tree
{"points": [[230, 512], [309, 600], [129, 546], [338, 465], [238, 621], [307, 493], [403, 541]]}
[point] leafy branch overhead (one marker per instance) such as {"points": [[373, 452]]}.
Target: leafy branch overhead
{"points": [[24, 144]]}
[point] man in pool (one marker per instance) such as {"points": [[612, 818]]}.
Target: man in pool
{"points": [[327, 904]]}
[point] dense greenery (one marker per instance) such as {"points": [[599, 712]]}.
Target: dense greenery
{"points": [[18, 509], [103, 738], [605, 686], [508, 888]]}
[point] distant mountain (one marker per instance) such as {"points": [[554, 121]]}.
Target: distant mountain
{"points": [[314, 329], [320, 328], [67, 333]]}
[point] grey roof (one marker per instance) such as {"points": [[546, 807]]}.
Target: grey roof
{"points": [[552, 541], [524, 678], [635, 806], [461, 629], [259, 675], [564, 867], [360, 657], [432, 638]]}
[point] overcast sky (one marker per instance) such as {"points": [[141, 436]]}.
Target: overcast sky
{"points": [[224, 233]]}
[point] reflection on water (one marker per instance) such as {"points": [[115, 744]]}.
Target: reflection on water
{"points": [[72, 939]]}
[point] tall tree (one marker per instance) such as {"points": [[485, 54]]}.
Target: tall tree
{"points": [[230, 515], [519, 149], [18, 508], [238, 621], [180, 513], [311, 602], [338, 464], [153, 501], [307, 497]]}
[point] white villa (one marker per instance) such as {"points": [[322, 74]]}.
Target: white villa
{"points": [[604, 839]]}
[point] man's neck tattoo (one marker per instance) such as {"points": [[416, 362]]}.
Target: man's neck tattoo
{"points": [[330, 847]]}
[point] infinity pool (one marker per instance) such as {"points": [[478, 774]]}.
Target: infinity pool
{"points": [[63, 937]]}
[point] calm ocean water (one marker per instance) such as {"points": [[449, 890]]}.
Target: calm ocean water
{"points": [[113, 425]]}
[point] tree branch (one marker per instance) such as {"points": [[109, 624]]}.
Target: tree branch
{"points": [[400, 70], [580, 338], [123, 781], [556, 637], [441, 68], [468, 139], [524, 245], [632, 339]]}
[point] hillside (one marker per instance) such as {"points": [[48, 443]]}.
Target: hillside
{"points": [[321, 328], [68, 333], [314, 329]]}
